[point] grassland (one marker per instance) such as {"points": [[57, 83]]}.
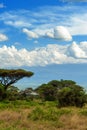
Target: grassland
{"points": [[37, 115]]}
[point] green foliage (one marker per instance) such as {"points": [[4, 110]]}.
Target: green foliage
{"points": [[72, 96], [47, 92], [3, 93], [17, 104], [8, 77], [49, 114], [83, 112], [55, 83], [15, 73], [67, 83], [61, 84], [66, 92], [12, 93]]}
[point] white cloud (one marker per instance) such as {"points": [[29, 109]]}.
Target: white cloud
{"points": [[35, 41], [2, 5], [49, 34], [59, 33], [17, 43], [83, 45], [71, 16], [16, 19], [30, 34], [51, 54], [3, 37], [19, 23], [78, 24], [76, 51], [62, 33]]}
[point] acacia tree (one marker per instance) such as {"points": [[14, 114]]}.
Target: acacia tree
{"points": [[9, 77]]}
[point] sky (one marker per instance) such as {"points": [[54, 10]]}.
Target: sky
{"points": [[47, 37]]}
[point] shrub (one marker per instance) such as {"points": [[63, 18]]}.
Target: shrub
{"points": [[72, 96], [49, 114], [83, 112]]}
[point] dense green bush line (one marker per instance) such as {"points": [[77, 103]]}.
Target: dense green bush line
{"points": [[63, 92]]}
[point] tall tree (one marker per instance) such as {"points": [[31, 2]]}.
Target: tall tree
{"points": [[9, 77]]}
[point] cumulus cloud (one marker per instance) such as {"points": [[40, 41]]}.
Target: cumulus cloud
{"points": [[62, 33], [3, 37], [59, 33], [76, 51], [51, 54], [30, 34]]}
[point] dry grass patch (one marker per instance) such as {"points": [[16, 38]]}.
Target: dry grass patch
{"points": [[43, 117], [74, 122]]}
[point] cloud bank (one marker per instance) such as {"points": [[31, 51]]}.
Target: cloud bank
{"points": [[51, 54]]}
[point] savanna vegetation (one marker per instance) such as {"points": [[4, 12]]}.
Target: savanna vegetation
{"points": [[38, 115], [56, 105]]}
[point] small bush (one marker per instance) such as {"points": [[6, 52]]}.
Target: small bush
{"points": [[51, 114], [37, 114], [83, 112]]}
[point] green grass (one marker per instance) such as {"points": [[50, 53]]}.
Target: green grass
{"points": [[83, 112], [38, 115], [17, 104], [50, 114]]}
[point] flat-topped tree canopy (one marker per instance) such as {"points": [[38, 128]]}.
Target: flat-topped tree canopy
{"points": [[8, 77]]}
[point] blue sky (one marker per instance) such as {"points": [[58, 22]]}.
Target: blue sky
{"points": [[47, 37]]}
